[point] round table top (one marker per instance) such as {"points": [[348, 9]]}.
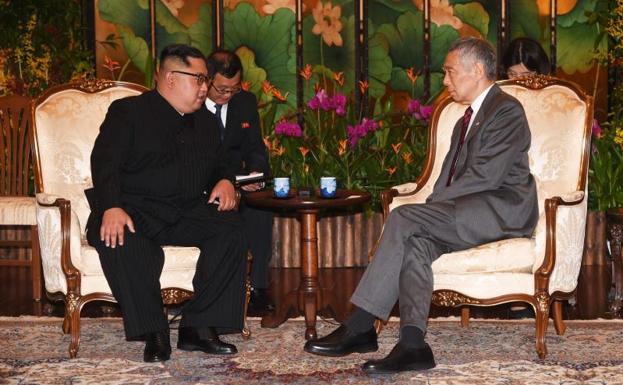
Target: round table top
{"points": [[343, 198]]}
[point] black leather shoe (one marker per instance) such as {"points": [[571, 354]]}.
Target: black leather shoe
{"points": [[343, 342], [401, 359], [157, 347], [260, 301], [203, 339]]}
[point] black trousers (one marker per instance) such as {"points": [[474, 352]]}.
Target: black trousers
{"points": [[133, 271], [258, 228]]}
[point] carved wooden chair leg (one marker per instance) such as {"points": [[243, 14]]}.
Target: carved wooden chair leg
{"points": [[35, 263], [378, 325], [67, 317], [74, 320], [559, 324], [465, 316], [246, 332], [541, 317]]}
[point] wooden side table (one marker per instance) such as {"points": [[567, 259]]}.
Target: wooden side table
{"points": [[614, 219], [309, 296]]}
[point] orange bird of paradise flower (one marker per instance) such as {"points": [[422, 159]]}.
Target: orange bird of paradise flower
{"points": [[343, 145], [391, 170], [412, 75], [306, 72], [278, 95], [304, 151], [339, 78], [407, 157], [363, 86], [397, 147]]}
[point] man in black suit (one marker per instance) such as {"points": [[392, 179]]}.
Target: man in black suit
{"points": [[159, 179], [485, 192], [242, 140]]}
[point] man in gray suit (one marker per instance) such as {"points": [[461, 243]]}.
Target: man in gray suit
{"points": [[485, 192]]}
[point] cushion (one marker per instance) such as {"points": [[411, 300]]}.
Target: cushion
{"points": [[515, 255], [18, 211]]}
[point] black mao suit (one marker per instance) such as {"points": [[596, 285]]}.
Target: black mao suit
{"points": [[158, 166], [243, 142]]}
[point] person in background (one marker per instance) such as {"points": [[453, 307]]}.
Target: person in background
{"points": [[236, 110], [525, 57], [159, 179]]}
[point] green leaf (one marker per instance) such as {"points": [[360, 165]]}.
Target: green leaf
{"points": [[578, 14], [525, 19], [475, 15], [270, 38], [201, 32], [138, 52], [379, 64], [576, 47], [252, 73], [131, 13]]}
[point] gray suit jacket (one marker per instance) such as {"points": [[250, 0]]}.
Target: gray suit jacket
{"points": [[493, 191]]}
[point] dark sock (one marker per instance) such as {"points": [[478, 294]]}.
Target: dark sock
{"points": [[412, 337], [360, 321]]}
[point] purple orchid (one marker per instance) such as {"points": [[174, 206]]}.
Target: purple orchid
{"points": [[288, 129]]}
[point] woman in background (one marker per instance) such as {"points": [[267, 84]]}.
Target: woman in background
{"points": [[525, 57]]}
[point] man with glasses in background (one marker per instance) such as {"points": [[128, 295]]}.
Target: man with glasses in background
{"points": [[160, 179], [236, 111]]}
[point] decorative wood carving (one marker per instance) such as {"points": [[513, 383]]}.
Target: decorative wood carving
{"points": [[542, 300], [95, 85], [536, 82], [173, 296], [452, 298]]}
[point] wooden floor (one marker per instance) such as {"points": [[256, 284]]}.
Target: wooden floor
{"points": [[591, 297]]}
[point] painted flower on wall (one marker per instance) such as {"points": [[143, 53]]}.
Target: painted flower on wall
{"points": [[272, 6], [174, 6], [328, 24]]}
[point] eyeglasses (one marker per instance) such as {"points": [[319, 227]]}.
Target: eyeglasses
{"points": [[223, 91], [201, 78]]}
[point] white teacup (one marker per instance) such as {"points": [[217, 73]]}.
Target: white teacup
{"points": [[281, 187], [328, 187]]}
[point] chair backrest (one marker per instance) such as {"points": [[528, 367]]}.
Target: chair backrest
{"points": [[67, 120], [560, 118], [15, 145]]}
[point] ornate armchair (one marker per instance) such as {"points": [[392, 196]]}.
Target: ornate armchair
{"points": [[540, 271], [66, 122], [17, 207]]}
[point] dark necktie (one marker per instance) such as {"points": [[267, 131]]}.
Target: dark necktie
{"points": [[466, 117], [219, 120]]}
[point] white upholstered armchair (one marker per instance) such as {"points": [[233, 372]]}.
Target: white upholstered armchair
{"points": [[544, 269], [66, 122]]}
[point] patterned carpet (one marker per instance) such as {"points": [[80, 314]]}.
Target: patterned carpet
{"points": [[34, 351]]}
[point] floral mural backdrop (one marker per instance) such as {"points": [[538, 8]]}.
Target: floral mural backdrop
{"points": [[328, 131]]}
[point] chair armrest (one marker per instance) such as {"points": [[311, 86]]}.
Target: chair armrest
{"points": [[405, 193], [561, 242], [59, 238]]}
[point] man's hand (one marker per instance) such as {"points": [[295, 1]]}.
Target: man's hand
{"points": [[113, 225], [253, 186], [225, 194]]}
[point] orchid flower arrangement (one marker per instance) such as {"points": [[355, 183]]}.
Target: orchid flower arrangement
{"points": [[328, 137]]}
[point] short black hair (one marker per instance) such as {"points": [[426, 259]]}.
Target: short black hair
{"points": [[223, 62], [528, 52], [180, 53]]}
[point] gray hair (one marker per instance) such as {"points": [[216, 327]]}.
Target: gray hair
{"points": [[473, 50]]}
